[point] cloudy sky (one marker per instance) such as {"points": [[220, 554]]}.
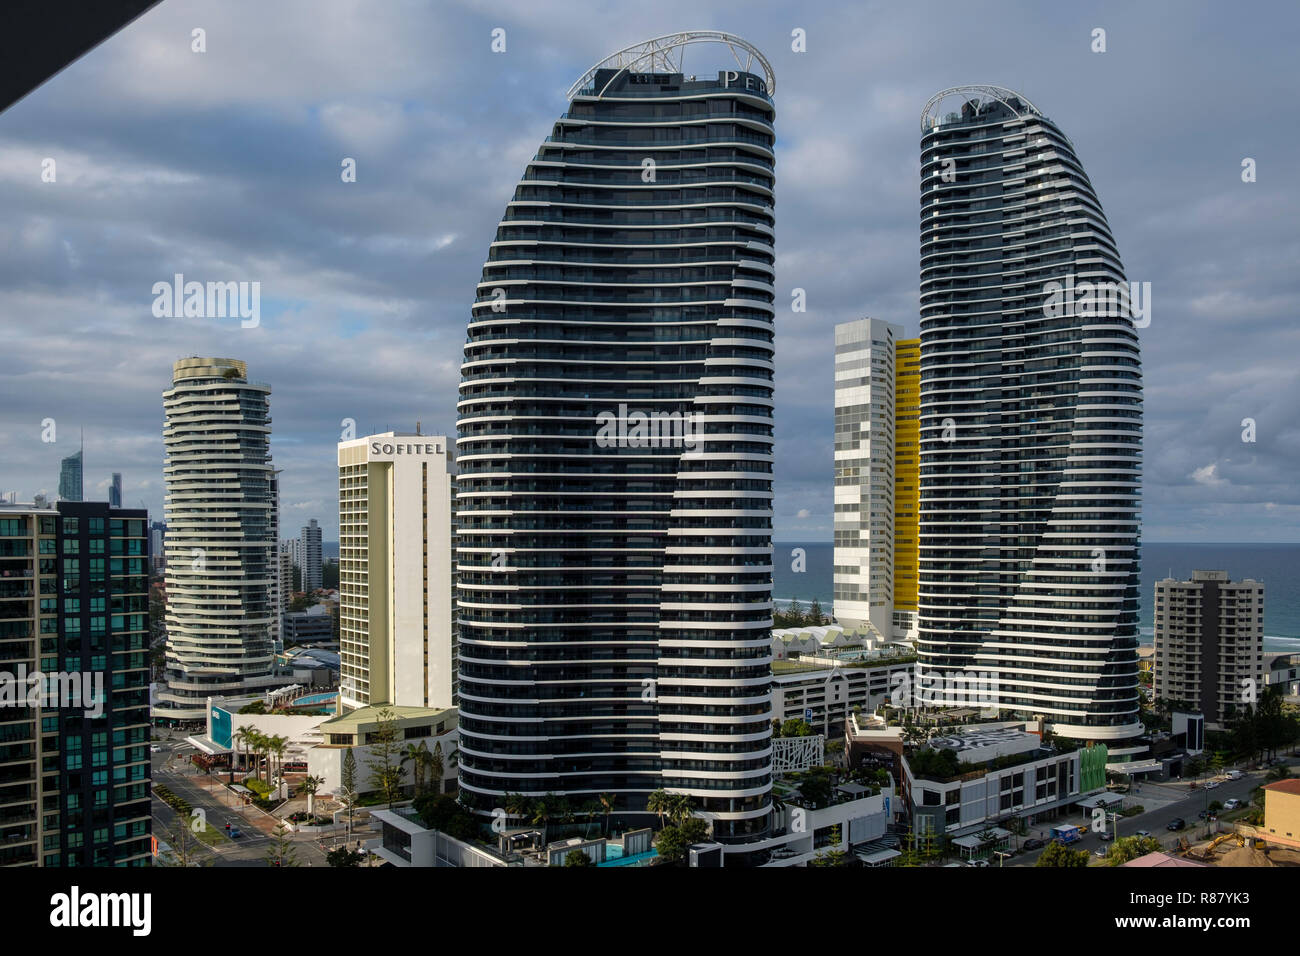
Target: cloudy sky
{"points": [[225, 165]]}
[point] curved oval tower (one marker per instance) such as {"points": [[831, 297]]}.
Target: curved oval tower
{"points": [[615, 451], [1031, 425]]}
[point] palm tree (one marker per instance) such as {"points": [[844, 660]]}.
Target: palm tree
{"points": [[276, 746], [240, 737], [436, 767], [607, 801], [679, 808], [517, 805], [541, 814], [591, 810], [253, 743], [659, 802], [309, 787], [415, 756]]}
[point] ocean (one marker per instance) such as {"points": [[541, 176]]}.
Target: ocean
{"points": [[1276, 565]]}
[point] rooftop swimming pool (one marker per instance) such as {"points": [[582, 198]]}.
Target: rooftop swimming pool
{"points": [[614, 856], [311, 699]]}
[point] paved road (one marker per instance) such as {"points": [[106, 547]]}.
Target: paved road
{"points": [[1156, 820], [172, 769]]}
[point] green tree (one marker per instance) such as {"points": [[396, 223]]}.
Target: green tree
{"points": [[607, 803], [416, 755], [577, 858], [243, 738], [436, 766], [833, 856], [815, 615], [1059, 855], [348, 788], [518, 805], [385, 771], [591, 811], [671, 845], [796, 727], [342, 856], [694, 830], [659, 802], [548, 808], [186, 849], [1127, 849], [275, 748], [311, 786], [281, 851], [680, 808]]}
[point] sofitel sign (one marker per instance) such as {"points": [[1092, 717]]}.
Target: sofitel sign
{"points": [[384, 450]]}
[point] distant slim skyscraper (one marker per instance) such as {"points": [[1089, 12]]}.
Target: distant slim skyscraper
{"points": [[221, 545], [1031, 423], [312, 573], [70, 477], [615, 581], [876, 395], [115, 491]]}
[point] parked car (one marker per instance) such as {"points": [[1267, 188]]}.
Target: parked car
{"points": [[1035, 844], [1232, 804], [1211, 784], [1235, 774], [1106, 836], [1100, 851], [1142, 833], [1177, 823], [155, 749], [977, 862]]}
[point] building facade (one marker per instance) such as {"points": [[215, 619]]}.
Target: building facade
{"points": [[615, 451], [312, 566], [864, 474], [219, 505], [907, 483], [1031, 428], [397, 599], [877, 412], [71, 470], [1209, 640], [74, 760]]}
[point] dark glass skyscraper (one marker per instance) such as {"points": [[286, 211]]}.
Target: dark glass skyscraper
{"points": [[70, 477], [74, 728], [1031, 423], [615, 451]]}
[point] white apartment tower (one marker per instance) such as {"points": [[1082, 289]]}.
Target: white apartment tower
{"points": [[396, 574], [864, 474], [1209, 637], [220, 541]]}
